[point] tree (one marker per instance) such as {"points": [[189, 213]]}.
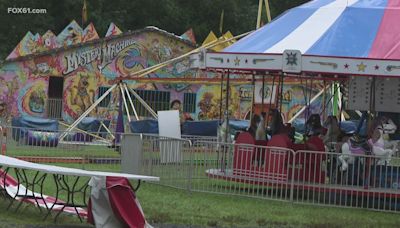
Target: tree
{"points": [[174, 16]]}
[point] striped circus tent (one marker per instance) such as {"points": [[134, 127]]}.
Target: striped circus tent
{"points": [[342, 28]]}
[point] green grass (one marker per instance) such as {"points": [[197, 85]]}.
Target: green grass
{"points": [[163, 205], [29, 215], [14, 149], [167, 205]]}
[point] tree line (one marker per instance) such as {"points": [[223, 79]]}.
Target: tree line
{"points": [[175, 16]]}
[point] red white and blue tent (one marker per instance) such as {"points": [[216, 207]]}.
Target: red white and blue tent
{"points": [[351, 28], [333, 36]]}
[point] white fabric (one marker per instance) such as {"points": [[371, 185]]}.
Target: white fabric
{"points": [[14, 190], [101, 208], [304, 36], [16, 163]]}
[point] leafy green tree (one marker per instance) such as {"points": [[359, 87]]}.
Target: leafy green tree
{"points": [[174, 16]]}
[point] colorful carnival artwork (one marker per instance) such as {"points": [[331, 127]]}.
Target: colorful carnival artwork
{"points": [[89, 70], [72, 34], [113, 30]]}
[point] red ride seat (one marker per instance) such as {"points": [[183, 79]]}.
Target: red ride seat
{"points": [[315, 143], [280, 140], [309, 162], [276, 160], [242, 155]]}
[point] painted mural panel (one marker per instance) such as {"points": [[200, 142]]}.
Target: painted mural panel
{"points": [[89, 33], [28, 45], [211, 102], [72, 34]]}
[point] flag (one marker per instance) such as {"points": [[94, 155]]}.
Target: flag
{"points": [[222, 45], [210, 38], [84, 13], [189, 35]]}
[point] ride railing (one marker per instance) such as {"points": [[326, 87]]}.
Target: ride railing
{"points": [[394, 145], [168, 157], [195, 138], [367, 181], [84, 150], [306, 177], [206, 166]]}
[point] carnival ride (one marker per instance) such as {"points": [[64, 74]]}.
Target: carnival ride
{"points": [[318, 42]]}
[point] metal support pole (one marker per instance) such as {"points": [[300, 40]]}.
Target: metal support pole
{"points": [[93, 106], [281, 93], [107, 129], [145, 105], [270, 99], [131, 102], [124, 99], [222, 91], [253, 84], [227, 108], [305, 106], [263, 93]]}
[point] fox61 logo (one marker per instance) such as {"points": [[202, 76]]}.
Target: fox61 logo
{"points": [[25, 10]]}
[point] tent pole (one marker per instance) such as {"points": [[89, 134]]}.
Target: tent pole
{"points": [[260, 3], [267, 8]]}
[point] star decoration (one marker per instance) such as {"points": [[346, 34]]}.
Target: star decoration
{"points": [[237, 61], [346, 66], [361, 67], [376, 67], [291, 59]]}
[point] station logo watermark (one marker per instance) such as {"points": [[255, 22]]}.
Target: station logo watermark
{"points": [[25, 10]]}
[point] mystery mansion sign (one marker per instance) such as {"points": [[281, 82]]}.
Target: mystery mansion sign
{"points": [[103, 54]]}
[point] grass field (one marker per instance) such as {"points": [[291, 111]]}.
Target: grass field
{"points": [[163, 205]]}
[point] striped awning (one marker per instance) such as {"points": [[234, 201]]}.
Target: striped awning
{"points": [[342, 28]]}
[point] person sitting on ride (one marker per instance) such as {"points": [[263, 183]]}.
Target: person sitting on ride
{"points": [[260, 131], [314, 126], [252, 129], [275, 122], [314, 133]]}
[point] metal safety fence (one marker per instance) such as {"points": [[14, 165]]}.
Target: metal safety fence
{"points": [[306, 177], [202, 164], [84, 150]]}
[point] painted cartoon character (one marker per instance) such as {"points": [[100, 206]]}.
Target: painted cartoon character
{"points": [[81, 95], [36, 101]]}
